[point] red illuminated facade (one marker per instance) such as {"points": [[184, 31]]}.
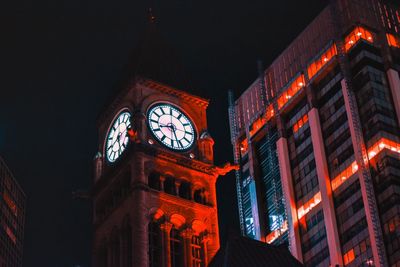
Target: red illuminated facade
{"points": [[327, 112], [12, 219], [155, 202]]}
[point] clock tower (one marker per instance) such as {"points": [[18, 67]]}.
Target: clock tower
{"points": [[154, 198]]}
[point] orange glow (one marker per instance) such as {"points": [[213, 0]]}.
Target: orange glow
{"points": [[357, 34], [243, 146], [269, 113], [315, 66], [307, 207], [10, 234], [344, 175], [293, 88], [393, 40], [348, 257], [374, 150], [382, 144], [271, 237], [10, 203], [300, 123], [257, 125]]}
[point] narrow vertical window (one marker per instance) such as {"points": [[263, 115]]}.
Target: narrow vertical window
{"points": [[197, 252], [176, 248], [154, 252]]}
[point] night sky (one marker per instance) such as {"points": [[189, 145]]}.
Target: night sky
{"points": [[60, 61]]}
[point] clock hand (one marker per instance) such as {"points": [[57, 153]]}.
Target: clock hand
{"points": [[176, 138]]}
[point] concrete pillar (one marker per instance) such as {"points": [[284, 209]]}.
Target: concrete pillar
{"points": [[177, 187], [290, 200], [370, 206], [325, 188], [394, 82]]}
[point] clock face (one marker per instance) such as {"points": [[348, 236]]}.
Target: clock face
{"points": [[117, 137], [171, 127]]}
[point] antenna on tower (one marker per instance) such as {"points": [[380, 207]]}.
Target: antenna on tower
{"points": [[152, 18]]}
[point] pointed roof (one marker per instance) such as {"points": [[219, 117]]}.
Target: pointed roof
{"points": [[155, 59], [240, 251]]}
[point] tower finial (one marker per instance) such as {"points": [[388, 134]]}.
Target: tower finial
{"points": [[152, 18]]}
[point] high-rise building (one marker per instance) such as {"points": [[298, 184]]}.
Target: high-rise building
{"points": [[318, 134], [12, 219], [154, 196]]}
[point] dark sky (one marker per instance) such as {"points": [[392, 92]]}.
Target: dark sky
{"points": [[59, 62]]}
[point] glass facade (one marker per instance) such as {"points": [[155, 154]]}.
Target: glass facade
{"points": [[338, 133]]}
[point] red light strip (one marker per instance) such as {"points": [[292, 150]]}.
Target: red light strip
{"points": [[307, 207], [293, 88], [357, 34], [374, 150], [393, 40], [315, 66]]}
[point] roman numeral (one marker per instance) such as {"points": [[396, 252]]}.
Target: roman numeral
{"points": [[162, 111], [186, 132], [153, 121], [180, 116]]}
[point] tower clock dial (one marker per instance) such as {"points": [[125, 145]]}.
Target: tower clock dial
{"points": [[171, 127], [117, 137]]}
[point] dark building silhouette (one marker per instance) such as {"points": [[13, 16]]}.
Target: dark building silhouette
{"points": [[318, 141], [12, 219], [240, 251]]}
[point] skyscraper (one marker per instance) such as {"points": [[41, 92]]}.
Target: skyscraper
{"points": [[318, 133], [12, 219]]}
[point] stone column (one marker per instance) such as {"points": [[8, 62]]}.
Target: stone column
{"points": [[187, 248], [177, 187], [166, 253], [325, 188], [162, 181], [205, 241]]}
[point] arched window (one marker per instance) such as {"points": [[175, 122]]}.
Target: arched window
{"points": [[169, 186], [199, 196], [155, 245], [184, 190], [176, 248], [197, 252], [154, 181]]}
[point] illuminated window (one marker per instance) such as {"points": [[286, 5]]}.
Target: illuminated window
{"points": [[257, 125], [300, 123], [357, 34], [155, 245], [374, 150], [269, 113], [393, 40], [271, 237], [316, 65], [348, 257], [344, 175], [197, 252], [307, 207], [243, 146], [383, 143], [292, 89], [176, 247]]}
